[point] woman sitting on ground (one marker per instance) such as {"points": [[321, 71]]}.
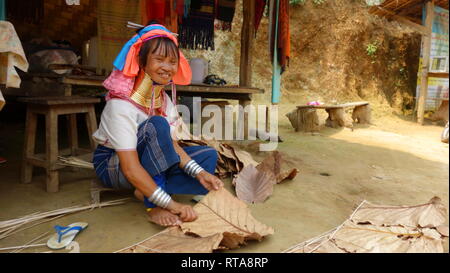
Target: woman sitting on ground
{"points": [[137, 132]]}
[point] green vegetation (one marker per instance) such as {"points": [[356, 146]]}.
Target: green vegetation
{"points": [[372, 49], [302, 2]]}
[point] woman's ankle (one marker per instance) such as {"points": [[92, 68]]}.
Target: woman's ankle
{"points": [[139, 195]]}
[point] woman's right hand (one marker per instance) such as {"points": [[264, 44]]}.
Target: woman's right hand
{"points": [[186, 212]]}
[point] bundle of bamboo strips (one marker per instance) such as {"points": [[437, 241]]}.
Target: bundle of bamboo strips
{"points": [[9, 227], [75, 162]]}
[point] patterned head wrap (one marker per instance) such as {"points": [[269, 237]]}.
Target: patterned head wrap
{"points": [[126, 66], [127, 61]]}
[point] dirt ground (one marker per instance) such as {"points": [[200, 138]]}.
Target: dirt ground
{"points": [[392, 162]]}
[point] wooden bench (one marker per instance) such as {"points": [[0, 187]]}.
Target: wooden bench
{"points": [[51, 108], [304, 118]]}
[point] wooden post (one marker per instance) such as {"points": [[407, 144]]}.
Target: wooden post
{"points": [[242, 123], [73, 133], [29, 145], [245, 68], [51, 143], [247, 37], [425, 62]]}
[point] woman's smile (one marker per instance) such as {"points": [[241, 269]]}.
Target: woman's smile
{"points": [[161, 68]]}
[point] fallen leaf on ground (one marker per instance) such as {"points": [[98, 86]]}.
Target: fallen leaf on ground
{"points": [[290, 174], [443, 230], [276, 166], [230, 159], [253, 186], [221, 212], [431, 214], [173, 240], [384, 229], [385, 239]]}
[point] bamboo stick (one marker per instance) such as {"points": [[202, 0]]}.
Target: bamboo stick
{"points": [[329, 234], [8, 227], [24, 246], [32, 241]]}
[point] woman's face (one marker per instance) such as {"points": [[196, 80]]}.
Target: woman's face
{"points": [[161, 68]]}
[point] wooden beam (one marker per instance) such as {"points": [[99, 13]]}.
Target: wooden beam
{"points": [[426, 48], [419, 28], [247, 37], [404, 20]]}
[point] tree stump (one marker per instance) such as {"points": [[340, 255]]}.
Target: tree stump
{"points": [[292, 116], [362, 114], [307, 120], [335, 118]]}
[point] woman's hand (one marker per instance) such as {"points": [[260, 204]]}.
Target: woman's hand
{"points": [[209, 181], [186, 212]]}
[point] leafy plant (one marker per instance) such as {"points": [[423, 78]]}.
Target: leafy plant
{"points": [[371, 49]]}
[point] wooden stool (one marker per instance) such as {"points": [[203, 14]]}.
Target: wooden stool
{"points": [[52, 107]]}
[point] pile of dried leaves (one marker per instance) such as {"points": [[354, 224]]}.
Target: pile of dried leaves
{"points": [[230, 159], [255, 184], [223, 222], [253, 181], [384, 229]]}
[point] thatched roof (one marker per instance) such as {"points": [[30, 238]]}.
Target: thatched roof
{"points": [[410, 9]]}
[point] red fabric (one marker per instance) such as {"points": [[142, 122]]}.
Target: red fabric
{"points": [[180, 7], [259, 11], [284, 36], [156, 10]]}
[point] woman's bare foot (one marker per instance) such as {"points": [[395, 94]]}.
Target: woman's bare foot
{"points": [[163, 217]]}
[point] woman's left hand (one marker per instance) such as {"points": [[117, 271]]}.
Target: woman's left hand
{"points": [[209, 181]]}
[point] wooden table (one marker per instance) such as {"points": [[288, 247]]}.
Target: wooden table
{"points": [[65, 85], [234, 92], [305, 118]]}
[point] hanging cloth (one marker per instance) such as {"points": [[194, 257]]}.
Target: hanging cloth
{"points": [[225, 13], [25, 11], [161, 11], [260, 6], [284, 40], [2, 10], [197, 29]]}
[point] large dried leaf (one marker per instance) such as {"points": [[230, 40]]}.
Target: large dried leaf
{"points": [[276, 166], [173, 240], [244, 159], [443, 230], [379, 239], [253, 186], [431, 214], [354, 238], [322, 246], [384, 229], [230, 158], [289, 174], [220, 212]]}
